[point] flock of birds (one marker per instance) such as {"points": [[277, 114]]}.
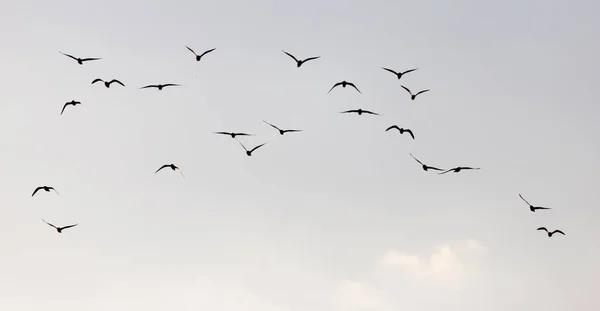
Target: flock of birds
{"points": [[299, 63]]}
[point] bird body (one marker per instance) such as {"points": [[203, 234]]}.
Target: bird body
{"points": [[550, 233], [159, 86], [399, 74], [531, 207], [360, 112], [426, 167], [80, 60], [59, 229], [281, 132], [344, 84], [300, 62], [402, 130], [45, 188], [413, 96], [108, 83], [198, 57]]}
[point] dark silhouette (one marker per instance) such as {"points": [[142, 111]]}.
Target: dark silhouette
{"points": [[399, 73], [59, 229], [550, 233], [280, 130], [460, 168], [343, 84], [108, 83], [45, 188], [198, 57], [413, 96], [249, 152], [300, 62], [72, 103], [426, 167], [531, 207], [80, 60], [171, 166], [402, 130], [159, 86], [360, 112], [233, 135]]}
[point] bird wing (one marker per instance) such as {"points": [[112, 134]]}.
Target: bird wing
{"points": [[410, 132], [446, 171], [67, 227], [189, 48], [161, 168], [470, 168], [394, 127], [290, 55], [180, 172], [369, 112], [540, 207], [390, 70], [36, 190], [404, 87], [339, 83], [291, 131], [522, 198], [423, 91], [311, 58], [116, 81], [558, 231], [51, 225], [71, 56], [206, 52], [242, 134], [171, 84], [147, 86], [54, 190], [241, 144], [96, 80], [542, 228], [257, 147], [434, 168], [354, 86], [349, 111], [410, 70], [65, 106], [416, 159], [272, 125], [91, 58]]}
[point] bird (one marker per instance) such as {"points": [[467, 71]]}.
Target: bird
{"points": [[108, 83], [45, 188], [399, 74], [73, 103], [413, 96], [426, 167], [550, 233], [531, 207], [280, 130], [458, 169], [198, 57], [159, 86], [59, 229], [80, 60], [232, 134], [300, 62], [249, 152], [360, 112], [402, 130], [171, 166], [343, 84]]}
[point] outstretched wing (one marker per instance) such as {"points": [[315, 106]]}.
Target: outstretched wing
{"points": [[52, 188], [96, 80], [410, 132], [311, 58], [417, 159], [180, 172], [91, 58], [290, 55], [558, 231], [147, 86], [222, 133], [339, 83], [404, 87], [257, 147], [170, 84], [67, 227], [540, 207], [370, 112], [63, 110], [291, 131], [166, 165], [189, 48], [206, 52], [446, 171], [349, 111], [354, 86], [272, 125], [116, 81], [241, 144], [36, 190], [423, 91], [49, 224], [522, 198], [410, 70], [434, 168], [71, 56], [390, 70], [542, 228]]}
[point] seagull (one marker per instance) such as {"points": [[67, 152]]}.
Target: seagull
{"points": [[108, 83], [300, 62], [402, 130], [73, 103], [249, 152], [426, 167], [198, 57], [45, 188], [233, 135], [280, 130], [343, 84], [551, 233], [80, 60], [413, 96], [159, 86], [531, 207], [399, 73], [360, 111], [59, 229], [172, 166], [458, 169]]}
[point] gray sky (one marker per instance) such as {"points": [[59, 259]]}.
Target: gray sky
{"points": [[336, 218]]}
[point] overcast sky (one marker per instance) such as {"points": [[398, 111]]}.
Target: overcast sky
{"points": [[338, 217]]}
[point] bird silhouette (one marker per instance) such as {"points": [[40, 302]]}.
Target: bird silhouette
{"points": [[360, 112], [402, 130], [399, 74], [426, 167], [108, 83], [171, 166], [300, 62], [531, 207], [249, 152], [72, 103], [59, 229], [460, 168], [80, 60], [159, 86], [413, 96], [232, 134], [45, 188], [280, 130], [550, 233], [198, 57], [343, 84]]}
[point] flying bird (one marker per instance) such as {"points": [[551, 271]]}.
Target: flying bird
{"points": [[360, 112], [426, 167], [249, 152], [402, 130], [45, 188], [72, 103], [531, 207], [280, 130], [233, 135], [80, 60], [343, 84], [171, 166], [399, 73], [198, 57], [550, 233], [300, 62], [159, 86], [59, 229], [413, 96], [108, 83], [460, 168]]}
